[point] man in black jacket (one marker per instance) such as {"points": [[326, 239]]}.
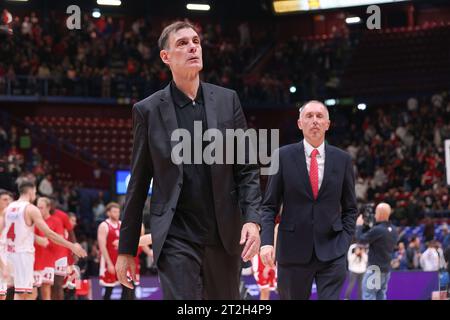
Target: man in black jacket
{"points": [[201, 214], [382, 239]]}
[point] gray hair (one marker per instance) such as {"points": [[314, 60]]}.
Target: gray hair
{"points": [[302, 108], [171, 28]]}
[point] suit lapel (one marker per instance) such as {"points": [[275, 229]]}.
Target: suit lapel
{"points": [[167, 110], [211, 122], [300, 160], [329, 164], [210, 106]]}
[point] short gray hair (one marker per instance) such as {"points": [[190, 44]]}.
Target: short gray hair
{"points": [[302, 108], [171, 28]]}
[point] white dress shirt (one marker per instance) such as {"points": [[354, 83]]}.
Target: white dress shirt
{"points": [[320, 158], [429, 260]]}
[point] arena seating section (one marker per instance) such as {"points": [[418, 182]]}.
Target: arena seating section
{"points": [[108, 139]]}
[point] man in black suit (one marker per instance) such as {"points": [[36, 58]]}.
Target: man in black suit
{"points": [[315, 183], [201, 215]]}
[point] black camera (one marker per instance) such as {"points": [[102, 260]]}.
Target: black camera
{"points": [[368, 213]]}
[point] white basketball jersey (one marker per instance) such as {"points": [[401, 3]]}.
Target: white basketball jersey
{"points": [[19, 236]]}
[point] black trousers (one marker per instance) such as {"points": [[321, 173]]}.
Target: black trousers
{"points": [[295, 280], [190, 271], [354, 278]]}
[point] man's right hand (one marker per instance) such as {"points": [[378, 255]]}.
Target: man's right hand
{"points": [[78, 250], [267, 254], [124, 263], [111, 268], [45, 242]]}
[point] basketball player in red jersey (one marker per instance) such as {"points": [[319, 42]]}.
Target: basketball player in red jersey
{"points": [[44, 261], [108, 238], [5, 199], [61, 253], [19, 221], [108, 242]]}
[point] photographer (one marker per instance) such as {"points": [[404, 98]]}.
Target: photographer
{"points": [[382, 239]]}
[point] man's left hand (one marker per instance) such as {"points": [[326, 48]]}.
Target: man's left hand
{"points": [[250, 237]]}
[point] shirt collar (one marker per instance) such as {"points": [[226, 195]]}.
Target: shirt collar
{"points": [[309, 148], [180, 99]]}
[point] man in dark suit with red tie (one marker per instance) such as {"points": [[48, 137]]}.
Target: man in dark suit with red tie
{"points": [[316, 185]]}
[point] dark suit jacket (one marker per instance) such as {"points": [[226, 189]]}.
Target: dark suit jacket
{"points": [[236, 189], [327, 223]]}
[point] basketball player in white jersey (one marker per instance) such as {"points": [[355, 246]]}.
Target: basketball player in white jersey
{"points": [[19, 221], [5, 199]]}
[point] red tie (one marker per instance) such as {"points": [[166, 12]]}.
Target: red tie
{"points": [[314, 173]]}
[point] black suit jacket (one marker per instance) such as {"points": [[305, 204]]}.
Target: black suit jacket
{"points": [[327, 223], [236, 189]]}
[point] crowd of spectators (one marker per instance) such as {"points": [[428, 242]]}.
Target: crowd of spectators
{"points": [[115, 58], [398, 156], [314, 67], [112, 57]]}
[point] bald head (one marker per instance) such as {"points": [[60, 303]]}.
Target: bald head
{"points": [[382, 212]]}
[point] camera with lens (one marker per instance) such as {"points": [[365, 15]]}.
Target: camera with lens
{"points": [[368, 213]]}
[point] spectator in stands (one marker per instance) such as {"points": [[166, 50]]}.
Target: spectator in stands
{"points": [[73, 200], [6, 179], [64, 199], [400, 262], [3, 141], [99, 210], [45, 186], [36, 157], [380, 178], [413, 253], [441, 254], [412, 211], [93, 259], [445, 236], [244, 34], [26, 26], [353, 149], [361, 188], [430, 260], [25, 140], [428, 231]]}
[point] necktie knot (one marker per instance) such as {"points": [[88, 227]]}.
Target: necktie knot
{"points": [[314, 153]]}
